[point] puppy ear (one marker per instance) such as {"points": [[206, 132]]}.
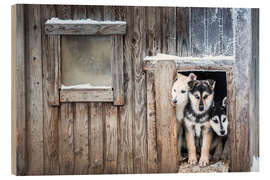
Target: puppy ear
{"points": [[192, 84], [211, 83], [192, 76], [224, 102]]}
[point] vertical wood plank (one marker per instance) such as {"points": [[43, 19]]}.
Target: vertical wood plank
{"points": [[153, 31], [81, 153], [34, 92], [228, 34], [139, 131], [125, 148], [18, 98], [63, 11], [151, 124], [111, 139], [198, 31], [168, 24], [165, 118], [214, 32], [96, 139], [182, 31], [50, 54], [66, 139], [243, 58]]}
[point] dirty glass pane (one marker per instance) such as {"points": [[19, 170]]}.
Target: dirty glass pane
{"points": [[86, 60]]}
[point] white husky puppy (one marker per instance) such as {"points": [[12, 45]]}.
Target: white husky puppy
{"points": [[180, 99]]}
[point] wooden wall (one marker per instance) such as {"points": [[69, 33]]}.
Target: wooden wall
{"points": [[95, 138]]}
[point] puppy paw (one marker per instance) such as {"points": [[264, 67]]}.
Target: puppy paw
{"points": [[204, 161], [192, 160]]}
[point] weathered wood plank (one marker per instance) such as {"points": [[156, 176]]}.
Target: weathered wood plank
{"points": [[139, 131], [228, 34], [168, 24], [111, 139], [79, 12], [63, 11], [186, 64], [102, 28], [86, 96], [153, 38], [34, 92], [66, 139], [165, 118], [81, 153], [198, 31], [214, 32], [125, 147], [18, 98], [151, 124], [182, 31], [117, 63], [96, 165], [243, 58], [50, 59]]}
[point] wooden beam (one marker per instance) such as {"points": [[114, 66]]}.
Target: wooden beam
{"points": [[18, 98], [187, 64], [165, 118], [73, 95], [101, 28]]}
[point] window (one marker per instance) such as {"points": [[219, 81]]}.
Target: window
{"points": [[90, 59]]}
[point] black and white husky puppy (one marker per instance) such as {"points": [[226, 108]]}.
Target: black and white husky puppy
{"points": [[219, 124], [197, 119]]}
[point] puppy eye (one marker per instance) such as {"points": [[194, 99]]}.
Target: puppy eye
{"points": [[197, 97], [183, 91], [205, 96], [215, 121], [224, 120]]}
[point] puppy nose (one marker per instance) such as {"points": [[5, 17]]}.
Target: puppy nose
{"points": [[174, 101], [201, 107], [222, 132]]}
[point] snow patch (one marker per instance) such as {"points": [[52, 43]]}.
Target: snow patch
{"points": [[255, 164], [80, 21], [84, 86]]}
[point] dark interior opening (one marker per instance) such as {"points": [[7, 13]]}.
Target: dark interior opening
{"points": [[219, 77]]}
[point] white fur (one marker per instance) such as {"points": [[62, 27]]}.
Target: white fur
{"points": [[180, 93]]}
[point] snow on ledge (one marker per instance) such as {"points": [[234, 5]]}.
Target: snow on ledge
{"points": [[80, 21], [172, 57], [84, 86]]}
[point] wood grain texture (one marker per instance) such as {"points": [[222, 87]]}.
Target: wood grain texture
{"points": [[243, 56], [66, 139], [214, 34], [111, 139], [182, 31], [165, 118], [117, 62], [198, 31], [168, 24], [18, 89], [151, 124], [139, 126], [153, 31], [125, 147], [50, 59], [63, 11], [86, 29], [34, 92], [227, 32], [86, 96], [96, 139], [81, 163]]}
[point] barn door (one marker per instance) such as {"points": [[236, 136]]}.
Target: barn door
{"points": [[166, 135]]}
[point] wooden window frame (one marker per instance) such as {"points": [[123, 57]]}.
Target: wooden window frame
{"points": [[114, 94], [183, 64]]}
